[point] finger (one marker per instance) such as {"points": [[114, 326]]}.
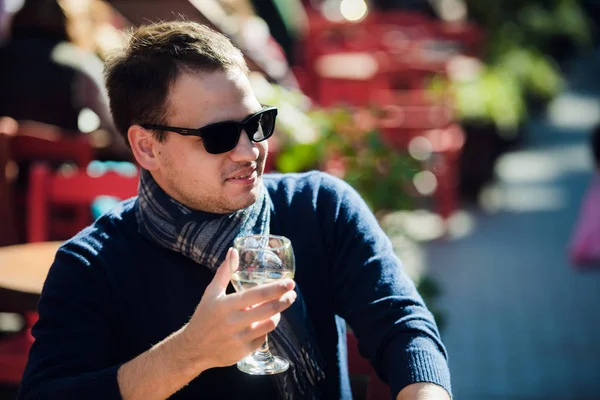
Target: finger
{"points": [[254, 344], [261, 328], [267, 309], [223, 275], [258, 342], [234, 260], [263, 293]]}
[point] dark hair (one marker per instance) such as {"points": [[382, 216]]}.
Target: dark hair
{"points": [[139, 76], [596, 145]]}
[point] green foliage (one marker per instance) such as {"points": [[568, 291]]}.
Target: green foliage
{"points": [[534, 73], [522, 37], [380, 173], [543, 20], [299, 157], [531, 23], [494, 94]]}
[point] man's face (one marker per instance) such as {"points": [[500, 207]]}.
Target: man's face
{"points": [[185, 170]]}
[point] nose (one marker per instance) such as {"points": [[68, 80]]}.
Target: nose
{"points": [[245, 150]]}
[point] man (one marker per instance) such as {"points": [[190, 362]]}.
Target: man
{"points": [[138, 306]]}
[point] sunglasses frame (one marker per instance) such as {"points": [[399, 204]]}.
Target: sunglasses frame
{"points": [[199, 131]]}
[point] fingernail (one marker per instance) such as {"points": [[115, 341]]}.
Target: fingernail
{"points": [[290, 284], [231, 256]]}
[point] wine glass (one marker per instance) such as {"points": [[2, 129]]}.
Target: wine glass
{"points": [[263, 259]]}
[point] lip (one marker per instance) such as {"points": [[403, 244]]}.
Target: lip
{"points": [[251, 177]]}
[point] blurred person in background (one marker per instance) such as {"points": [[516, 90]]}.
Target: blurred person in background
{"points": [[596, 148], [140, 306], [46, 77], [287, 23], [584, 249]]}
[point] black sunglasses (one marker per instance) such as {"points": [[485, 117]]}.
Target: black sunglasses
{"points": [[222, 137]]}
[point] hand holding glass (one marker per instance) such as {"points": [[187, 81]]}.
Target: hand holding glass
{"points": [[263, 259]]}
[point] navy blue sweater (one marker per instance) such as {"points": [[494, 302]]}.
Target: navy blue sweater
{"points": [[111, 295]]}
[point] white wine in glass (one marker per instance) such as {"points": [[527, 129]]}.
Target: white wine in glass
{"points": [[263, 259]]}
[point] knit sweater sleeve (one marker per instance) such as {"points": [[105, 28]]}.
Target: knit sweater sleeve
{"points": [[71, 357], [395, 330]]}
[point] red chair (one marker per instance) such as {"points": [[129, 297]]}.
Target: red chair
{"points": [[357, 365], [414, 118], [47, 188], [78, 189], [333, 92], [350, 78], [40, 144], [50, 188], [415, 25], [404, 18], [325, 38], [410, 41], [34, 142], [401, 125], [14, 351], [8, 234], [28, 142], [470, 36]]}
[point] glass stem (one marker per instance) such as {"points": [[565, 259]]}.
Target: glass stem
{"points": [[263, 353]]}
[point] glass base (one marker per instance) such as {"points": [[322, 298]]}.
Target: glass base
{"points": [[272, 365]]}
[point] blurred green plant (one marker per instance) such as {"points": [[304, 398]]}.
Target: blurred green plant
{"points": [[348, 146], [502, 92], [382, 175], [536, 74], [531, 23], [493, 94], [525, 40], [543, 20], [299, 157]]}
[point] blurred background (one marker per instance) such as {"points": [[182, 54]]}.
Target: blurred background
{"points": [[466, 126]]}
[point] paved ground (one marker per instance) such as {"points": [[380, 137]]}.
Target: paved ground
{"points": [[521, 322]]}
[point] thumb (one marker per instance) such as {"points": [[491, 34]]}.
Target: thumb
{"points": [[226, 269]]}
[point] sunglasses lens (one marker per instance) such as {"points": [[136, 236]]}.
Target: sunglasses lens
{"points": [[261, 127], [252, 127], [221, 138]]}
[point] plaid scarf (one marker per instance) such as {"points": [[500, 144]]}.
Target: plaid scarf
{"points": [[204, 238]]}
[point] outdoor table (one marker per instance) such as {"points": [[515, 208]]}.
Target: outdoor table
{"points": [[23, 270]]}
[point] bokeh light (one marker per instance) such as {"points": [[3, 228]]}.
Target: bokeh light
{"points": [[420, 148], [353, 10], [425, 182]]}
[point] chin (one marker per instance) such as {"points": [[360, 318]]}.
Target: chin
{"points": [[248, 200], [231, 204], [240, 198]]}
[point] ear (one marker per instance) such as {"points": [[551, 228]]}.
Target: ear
{"points": [[144, 147]]}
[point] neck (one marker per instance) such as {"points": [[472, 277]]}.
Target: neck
{"points": [[164, 197]]}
